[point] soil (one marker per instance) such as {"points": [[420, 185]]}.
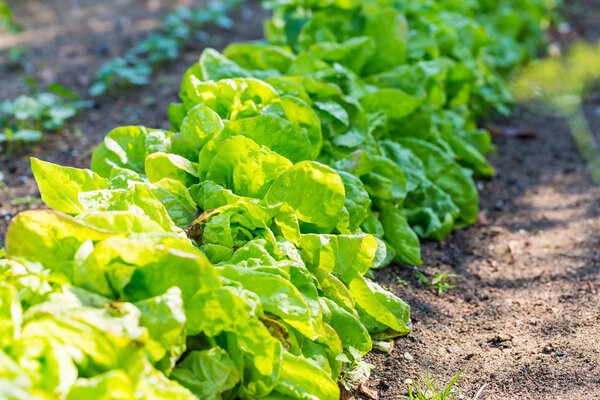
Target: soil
{"points": [[524, 319]]}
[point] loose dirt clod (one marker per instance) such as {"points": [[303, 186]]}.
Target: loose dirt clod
{"points": [[370, 393]]}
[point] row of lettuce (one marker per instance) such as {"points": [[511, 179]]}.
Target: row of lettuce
{"points": [[230, 257]]}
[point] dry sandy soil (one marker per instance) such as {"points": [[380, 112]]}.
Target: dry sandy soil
{"points": [[524, 319]]}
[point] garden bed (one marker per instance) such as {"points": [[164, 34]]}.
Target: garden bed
{"points": [[523, 318]]}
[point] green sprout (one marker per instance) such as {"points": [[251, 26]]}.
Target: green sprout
{"points": [[25, 118], [440, 282], [426, 388]]}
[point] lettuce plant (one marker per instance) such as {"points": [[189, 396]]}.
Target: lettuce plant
{"points": [[231, 256], [25, 118]]}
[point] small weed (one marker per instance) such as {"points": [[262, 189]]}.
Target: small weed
{"points": [[401, 282], [440, 282], [421, 277], [426, 388]]}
